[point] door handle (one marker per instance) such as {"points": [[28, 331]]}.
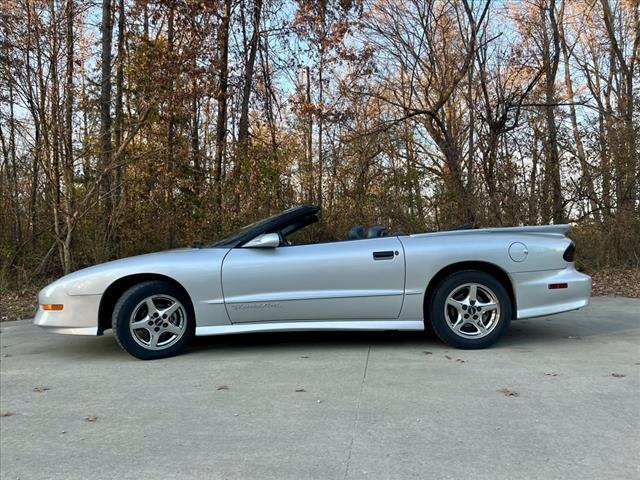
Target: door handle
{"points": [[384, 255]]}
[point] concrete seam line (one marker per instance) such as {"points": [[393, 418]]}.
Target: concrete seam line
{"points": [[355, 423]]}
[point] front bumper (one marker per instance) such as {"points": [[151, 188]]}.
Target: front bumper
{"points": [[78, 317], [535, 299]]}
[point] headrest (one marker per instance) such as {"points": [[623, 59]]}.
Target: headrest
{"points": [[377, 231], [356, 233]]}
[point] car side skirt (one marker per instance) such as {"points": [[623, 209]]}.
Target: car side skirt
{"points": [[311, 326]]}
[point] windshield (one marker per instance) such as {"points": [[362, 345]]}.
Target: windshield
{"points": [[238, 234], [232, 239]]}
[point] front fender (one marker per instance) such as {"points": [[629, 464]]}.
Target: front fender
{"points": [[197, 270]]}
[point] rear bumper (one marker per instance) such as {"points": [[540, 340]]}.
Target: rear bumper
{"points": [[78, 317], [535, 299]]}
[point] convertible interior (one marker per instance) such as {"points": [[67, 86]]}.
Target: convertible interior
{"points": [[357, 232], [288, 223]]}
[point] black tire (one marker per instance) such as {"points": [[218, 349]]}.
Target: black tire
{"points": [[428, 326], [131, 299], [457, 280]]}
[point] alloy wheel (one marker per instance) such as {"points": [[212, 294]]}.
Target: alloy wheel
{"points": [[472, 310], [158, 322]]}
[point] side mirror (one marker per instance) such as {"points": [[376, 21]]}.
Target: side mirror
{"points": [[266, 240]]}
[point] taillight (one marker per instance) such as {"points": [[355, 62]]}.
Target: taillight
{"points": [[570, 253]]}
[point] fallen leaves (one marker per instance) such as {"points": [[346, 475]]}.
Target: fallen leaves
{"points": [[17, 304], [621, 283], [507, 392], [41, 389], [458, 360]]}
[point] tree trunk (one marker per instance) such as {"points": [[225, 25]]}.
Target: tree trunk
{"points": [[221, 118], [105, 125], [170, 165], [309, 178], [553, 211], [586, 177], [269, 113], [69, 174], [118, 130], [11, 156], [243, 124], [320, 127]]}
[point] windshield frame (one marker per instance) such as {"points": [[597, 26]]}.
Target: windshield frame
{"points": [[266, 225]]}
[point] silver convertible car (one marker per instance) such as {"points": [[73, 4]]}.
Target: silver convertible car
{"points": [[465, 285]]}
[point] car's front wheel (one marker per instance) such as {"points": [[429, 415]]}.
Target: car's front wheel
{"points": [[470, 309], [153, 320]]}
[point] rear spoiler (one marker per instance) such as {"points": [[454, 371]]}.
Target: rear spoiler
{"points": [[562, 229], [535, 229]]}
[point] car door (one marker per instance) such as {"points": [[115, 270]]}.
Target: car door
{"points": [[348, 280]]}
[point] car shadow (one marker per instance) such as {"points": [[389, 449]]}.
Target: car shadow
{"points": [[310, 339], [522, 333], [77, 348]]}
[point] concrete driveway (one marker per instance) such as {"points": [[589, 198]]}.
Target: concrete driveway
{"points": [[559, 397]]}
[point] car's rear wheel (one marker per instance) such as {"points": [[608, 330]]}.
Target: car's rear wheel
{"points": [[470, 309], [153, 320]]}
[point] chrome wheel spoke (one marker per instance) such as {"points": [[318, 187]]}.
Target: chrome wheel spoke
{"points": [[140, 324], [171, 328], [151, 307], [147, 329], [457, 304], [481, 327], [459, 324], [488, 307], [169, 311], [155, 336], [473, 293]]}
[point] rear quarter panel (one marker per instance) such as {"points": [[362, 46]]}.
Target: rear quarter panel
{"points": [[428, 254]]}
